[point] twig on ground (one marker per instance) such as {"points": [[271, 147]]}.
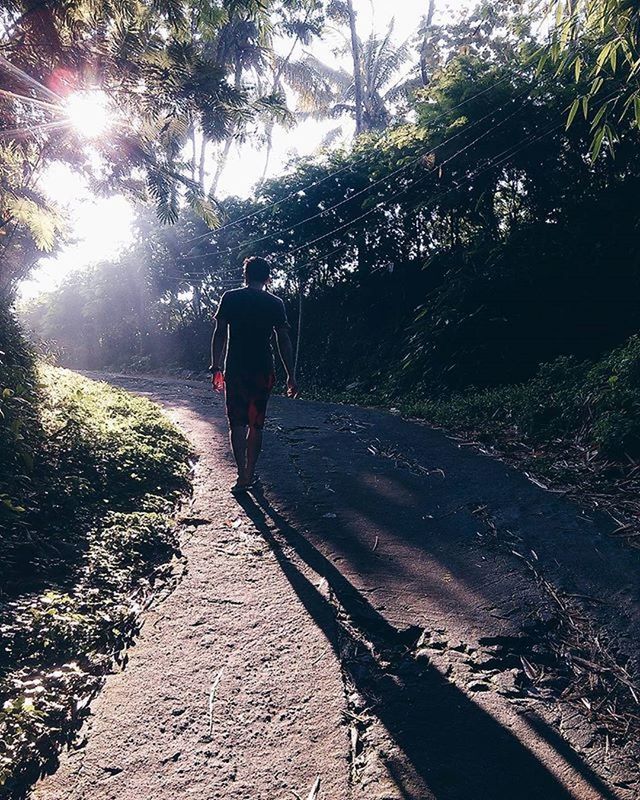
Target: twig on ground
{"points": [[212, 698]]}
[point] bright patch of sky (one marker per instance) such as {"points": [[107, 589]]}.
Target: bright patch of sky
{"points": [[99, 228]]}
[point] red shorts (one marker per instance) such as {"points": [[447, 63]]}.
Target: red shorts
{"points": [[247, 397]]}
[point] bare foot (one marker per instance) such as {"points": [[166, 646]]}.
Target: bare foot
{"points": [[241, 485]]}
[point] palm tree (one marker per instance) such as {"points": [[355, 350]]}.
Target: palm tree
{"points": [[247, 48], [356, 55], [425, 45], [164, 75], [370, 94]]}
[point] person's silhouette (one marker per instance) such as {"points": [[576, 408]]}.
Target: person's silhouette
{"points": [[245, 321]]}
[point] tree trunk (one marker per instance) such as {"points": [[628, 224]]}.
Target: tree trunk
{"points": [[227, 142], [424, 47], [357, 68], [299, 331], [222, 161], [267, 159], [193, 152], [203, 152], [277, 85], [196, 303]]}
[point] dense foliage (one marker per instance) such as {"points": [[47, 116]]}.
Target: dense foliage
{"points": [[594, 404], [467, 246], [89, 478], [173, 75], [471, 257], [608, 90]]}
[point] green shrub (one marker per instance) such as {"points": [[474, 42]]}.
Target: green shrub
{"points": [[20, 431], [596, 404], [90, 479]]}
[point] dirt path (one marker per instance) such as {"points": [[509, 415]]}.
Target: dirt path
{"points": [[395, 614]]}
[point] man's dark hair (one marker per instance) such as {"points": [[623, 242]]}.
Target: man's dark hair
{"points": [[257, 269]]}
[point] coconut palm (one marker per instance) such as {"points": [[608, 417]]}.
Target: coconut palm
{"points": [[163, 68], [248, 51], [371, 96]]}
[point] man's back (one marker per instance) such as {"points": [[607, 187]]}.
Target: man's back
{"points": [[252, 315], [245, 320]]}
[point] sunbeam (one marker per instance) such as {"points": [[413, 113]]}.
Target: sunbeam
{"points": [[88, 113]]}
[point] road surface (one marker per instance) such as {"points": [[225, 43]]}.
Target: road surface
{"points": [[395, 615]]}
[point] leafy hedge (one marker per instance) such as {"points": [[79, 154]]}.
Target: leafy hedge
{"points": [[575, 423], [20, 432], [91, 477], [593, 404]]}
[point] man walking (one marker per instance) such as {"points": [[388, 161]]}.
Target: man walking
{"points": [[245, 321]]}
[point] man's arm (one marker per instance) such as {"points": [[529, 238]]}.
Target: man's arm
{"points": [[285, 348], [218, 343]]}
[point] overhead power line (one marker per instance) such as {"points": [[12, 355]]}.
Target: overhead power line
{"points": [[494, 162], [585, 43], [331, 175], [420, 157], [382, 180]]}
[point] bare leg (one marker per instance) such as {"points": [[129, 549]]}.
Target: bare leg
{"points": [[254, 445], [238, 437]]}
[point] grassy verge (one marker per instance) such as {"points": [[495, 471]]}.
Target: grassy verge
{"points": [[87, 491]]}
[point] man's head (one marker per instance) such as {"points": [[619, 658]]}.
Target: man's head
{"points": [[256, 270]]}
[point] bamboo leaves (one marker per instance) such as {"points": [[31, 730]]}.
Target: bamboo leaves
{"points": [[599, 41]]}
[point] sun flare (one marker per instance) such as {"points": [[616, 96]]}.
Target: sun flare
{"points": [[88, 113]]}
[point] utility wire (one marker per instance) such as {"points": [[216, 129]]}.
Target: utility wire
{"points": [[349, 166], [494, 162], [404, 189], [331, 175], [502, 158], [369, 187]]}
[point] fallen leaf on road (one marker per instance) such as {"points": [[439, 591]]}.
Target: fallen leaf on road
{"points": [[212, 698], [315, 789], [529, 670]]}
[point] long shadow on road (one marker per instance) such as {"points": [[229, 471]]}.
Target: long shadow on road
{"points": [[455, 749]]}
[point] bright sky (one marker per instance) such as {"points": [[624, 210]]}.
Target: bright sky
{"points": [[100, 228]]}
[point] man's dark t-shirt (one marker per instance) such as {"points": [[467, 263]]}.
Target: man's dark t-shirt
{"points": [[252, 315]]}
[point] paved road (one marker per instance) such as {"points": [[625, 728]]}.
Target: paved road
{"points": [[395, 614]]}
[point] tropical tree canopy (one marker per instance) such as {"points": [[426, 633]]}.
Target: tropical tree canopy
{"points": [[598, 42], [165, 75]]}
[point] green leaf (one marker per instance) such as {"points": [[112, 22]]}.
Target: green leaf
{"points": [[572, 112], [541, 64], [603, 55], [600, 113], [27, 459], [596, 145]]}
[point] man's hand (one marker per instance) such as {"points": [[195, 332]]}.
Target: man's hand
{"points": [[217, 380], [292, 387]]}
